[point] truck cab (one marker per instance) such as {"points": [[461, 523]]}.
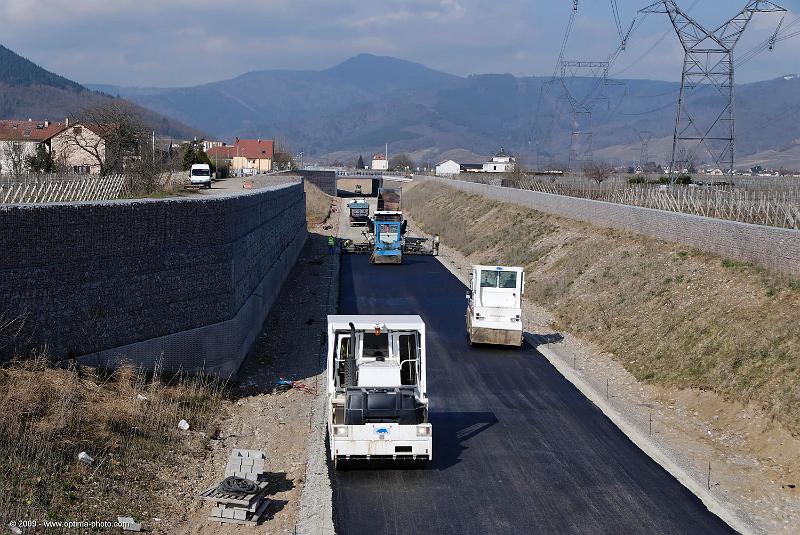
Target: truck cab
{"points": [[494, 309], [388, 228], [359, 212], [377, 390], [200, 175]]}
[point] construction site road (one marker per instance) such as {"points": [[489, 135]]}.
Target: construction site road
{"points": [[517, 448]]}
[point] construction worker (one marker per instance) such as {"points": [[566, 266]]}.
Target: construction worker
{"points": [[331, 244], [436, 244], [346, 244]]}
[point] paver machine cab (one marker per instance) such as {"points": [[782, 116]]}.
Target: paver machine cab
{"points": [[388, 229], [494, 311], [377, 399]]}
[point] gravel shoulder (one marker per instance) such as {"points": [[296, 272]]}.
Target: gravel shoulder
{"points": [[754, 463], [285, 425]]}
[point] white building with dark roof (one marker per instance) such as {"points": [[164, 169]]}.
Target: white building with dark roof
{"points": [[501, 162]]}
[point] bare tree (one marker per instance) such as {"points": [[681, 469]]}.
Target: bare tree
{"points": [[15, 156], [109, 133], [113, 137], [401, 162], [599, 172], [282, 156]]}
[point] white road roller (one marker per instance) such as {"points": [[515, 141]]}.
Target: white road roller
{"points": [[377, 399], [494, 311]]}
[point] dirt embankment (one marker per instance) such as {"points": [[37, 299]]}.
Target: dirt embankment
{"points": [[670, 315], [318, 204]]}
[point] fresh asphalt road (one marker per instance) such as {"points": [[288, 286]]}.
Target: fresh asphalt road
{"points": [[517, 449]]}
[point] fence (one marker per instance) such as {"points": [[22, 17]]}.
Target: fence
{"points": [[56, 188], [772, 206], [775, 248]]}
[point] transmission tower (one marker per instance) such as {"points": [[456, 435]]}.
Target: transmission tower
{"points": [[644, 154], [708, 63], [581, 145]]}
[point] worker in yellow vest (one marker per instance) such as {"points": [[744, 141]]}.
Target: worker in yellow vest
{"points": [[331, 244]]}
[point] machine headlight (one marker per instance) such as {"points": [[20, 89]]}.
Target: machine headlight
{"points": [[341, 430], [424, 430]]}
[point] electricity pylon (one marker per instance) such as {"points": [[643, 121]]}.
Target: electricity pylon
{"points": [[708, 62]]}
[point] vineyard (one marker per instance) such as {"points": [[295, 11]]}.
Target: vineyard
{"points": [[60, 188], [772, 203]]}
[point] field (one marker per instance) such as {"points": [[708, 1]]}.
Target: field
{"points": [[671, 315]]}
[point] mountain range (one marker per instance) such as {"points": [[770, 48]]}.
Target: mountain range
{"points": [[366, 101], [29, 91]]}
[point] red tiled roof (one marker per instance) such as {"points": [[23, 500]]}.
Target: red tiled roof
{"points": [[19, 130], [224, 151], [254, 149], [379, 157]]}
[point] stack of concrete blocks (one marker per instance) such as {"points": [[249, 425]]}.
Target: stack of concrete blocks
{"points": [[245, 510]]}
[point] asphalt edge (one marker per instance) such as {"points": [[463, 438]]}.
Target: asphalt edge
{"points": [[647, 446], [315, 516], [650, 448]]}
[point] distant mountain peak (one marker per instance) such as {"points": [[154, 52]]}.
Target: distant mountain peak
{"points": [[371, 66]]}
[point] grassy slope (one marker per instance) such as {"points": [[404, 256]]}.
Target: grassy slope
{"points": [[671, 315], [48, 416]]}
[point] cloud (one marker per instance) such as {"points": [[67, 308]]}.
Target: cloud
{"points": [[186, 42]]}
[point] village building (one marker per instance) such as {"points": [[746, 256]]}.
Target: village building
{"points": [[380, 163], [500, 163], [448, 168]]}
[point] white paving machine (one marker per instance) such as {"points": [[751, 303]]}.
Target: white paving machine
{"points": [[377, 399], [494, 309]]}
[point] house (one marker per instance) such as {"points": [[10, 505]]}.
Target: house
{"points": [[500, 163], [448, 168], [252, 156], [380, 163], [19, 139], [77, 148]]}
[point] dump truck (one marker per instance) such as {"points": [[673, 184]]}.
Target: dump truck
{"points": [[494, 309], [359, 212], [390, 199], [377, 402]]}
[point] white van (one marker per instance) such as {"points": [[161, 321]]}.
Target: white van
{"points": [[200, 175], [494, 312]]}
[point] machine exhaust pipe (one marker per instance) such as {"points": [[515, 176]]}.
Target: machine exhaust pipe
{"points": [[350, 362]]}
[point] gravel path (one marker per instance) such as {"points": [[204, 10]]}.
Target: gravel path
{"points": [[286, 425]]}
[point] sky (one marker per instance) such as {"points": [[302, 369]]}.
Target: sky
{"points": [[169, 43]]}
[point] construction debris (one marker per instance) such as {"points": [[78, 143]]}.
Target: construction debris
{"points": [[239, 498], [85, 457], [128, 523]]}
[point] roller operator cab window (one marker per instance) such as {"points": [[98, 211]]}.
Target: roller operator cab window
{"points": [[498, 279], [507, 279], [488, 279], [376, 346]]}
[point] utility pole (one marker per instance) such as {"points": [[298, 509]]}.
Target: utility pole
{"points": [[708, 62]]}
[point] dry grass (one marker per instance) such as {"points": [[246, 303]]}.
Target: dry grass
{"points": [[318, 204], [671, 315], [48, 416]]}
